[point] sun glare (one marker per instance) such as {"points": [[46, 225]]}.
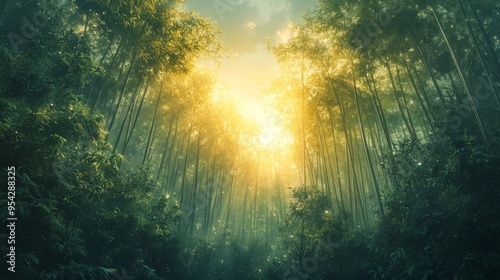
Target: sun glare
{"points": [[269, 132], [263, 129]]}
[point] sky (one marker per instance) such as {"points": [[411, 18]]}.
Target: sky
{"points": [[245, 26]]}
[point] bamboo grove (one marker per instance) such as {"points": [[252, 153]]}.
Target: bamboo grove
{"points": [[366, 77], [360, 82], [358, 87]]}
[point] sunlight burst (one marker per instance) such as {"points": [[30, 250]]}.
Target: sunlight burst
{"points": [[271, 134], [271, 131]]}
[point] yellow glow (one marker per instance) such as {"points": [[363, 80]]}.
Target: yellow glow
{"points": [[262, 130], [261, 126], [286, 33], [251, 25], [268, 132], [271, 132]]}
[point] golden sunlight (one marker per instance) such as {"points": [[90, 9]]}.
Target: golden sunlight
{"points": [[269, 132], [262, 127], [256, 118]]}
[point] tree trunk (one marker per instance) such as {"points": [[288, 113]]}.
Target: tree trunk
{"points": [[367, 152], [462, 77]]}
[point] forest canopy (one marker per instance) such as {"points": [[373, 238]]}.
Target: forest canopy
{"points": [[374, 154]]}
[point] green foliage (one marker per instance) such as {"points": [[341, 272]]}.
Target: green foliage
{"points": [[309, 217], [442, 221], [75, 271], [80, 216], [224, 258], [321, 245], [443, 215], [79, 212]]}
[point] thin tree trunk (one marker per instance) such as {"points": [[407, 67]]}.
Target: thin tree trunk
{"points": [[128, 114], [424, 109], [195, 186], [460, 72], [122, 92], [405, 102], [184, 172], [367, 152], [128, 136], [165, 149], [400, 106], [380, 112], [487, 38], [427, 66], [149, 142], [480, 55]]}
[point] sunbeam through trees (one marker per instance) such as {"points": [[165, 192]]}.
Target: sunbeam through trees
{"points": [[252, 139]]}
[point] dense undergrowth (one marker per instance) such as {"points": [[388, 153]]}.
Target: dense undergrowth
{"points": [[442, 221], [81, 217]]}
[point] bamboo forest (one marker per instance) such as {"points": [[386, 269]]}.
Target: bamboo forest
{"points": [[250, 139]]}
